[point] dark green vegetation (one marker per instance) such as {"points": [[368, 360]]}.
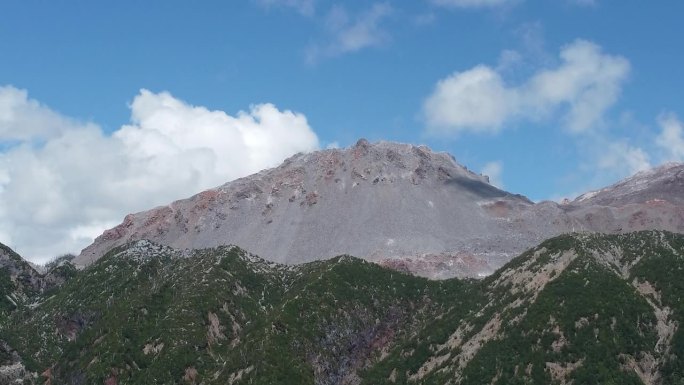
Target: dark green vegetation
{"points": [[7, 287], [591, 309]]}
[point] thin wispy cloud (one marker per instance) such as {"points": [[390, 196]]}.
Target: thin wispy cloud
{"points": [[426, 18], [494, 171], [584, 3], [530, 54], [620, 157], [671, 138], [304, 7], [472, 3], [351, 33]]}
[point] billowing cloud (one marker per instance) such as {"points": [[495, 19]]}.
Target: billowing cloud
{"points": [[585, 84], [62, 182], [494, 171], [588, 82], [671, 137], [474, 100], [472, 3], [34, 120], [352, 34]]}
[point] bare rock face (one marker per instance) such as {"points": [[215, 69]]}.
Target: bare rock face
{"points": [[12, 370], [398, 204], [23, 278]]}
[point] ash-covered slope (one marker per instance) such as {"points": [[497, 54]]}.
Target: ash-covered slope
{"points": [[401, 205], [374, 201]]}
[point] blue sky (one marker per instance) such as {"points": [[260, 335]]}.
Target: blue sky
{"points": [[551, 98]]}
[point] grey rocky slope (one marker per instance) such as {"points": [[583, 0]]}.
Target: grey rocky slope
{"points": [[18, 280], [397, 204]]}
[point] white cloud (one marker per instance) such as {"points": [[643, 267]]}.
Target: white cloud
{"points": [[305, 7], [602, 160], [474, 100], [494, 171], [60, 187], [622, 159], [582, 87], [671, 137], [349, 35], [24, 119], [588, 81], [472, 3]]}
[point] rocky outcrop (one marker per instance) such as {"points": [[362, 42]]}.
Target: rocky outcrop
{"points": [[12, 370], [18, 280], [20, 283]]}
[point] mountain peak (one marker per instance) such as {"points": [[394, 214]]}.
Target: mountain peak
{"points": [[398, 204], [663, 183], [371, 200], [399, 156]]}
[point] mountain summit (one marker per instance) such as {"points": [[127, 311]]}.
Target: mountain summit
{"points": [[402, 205]]}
